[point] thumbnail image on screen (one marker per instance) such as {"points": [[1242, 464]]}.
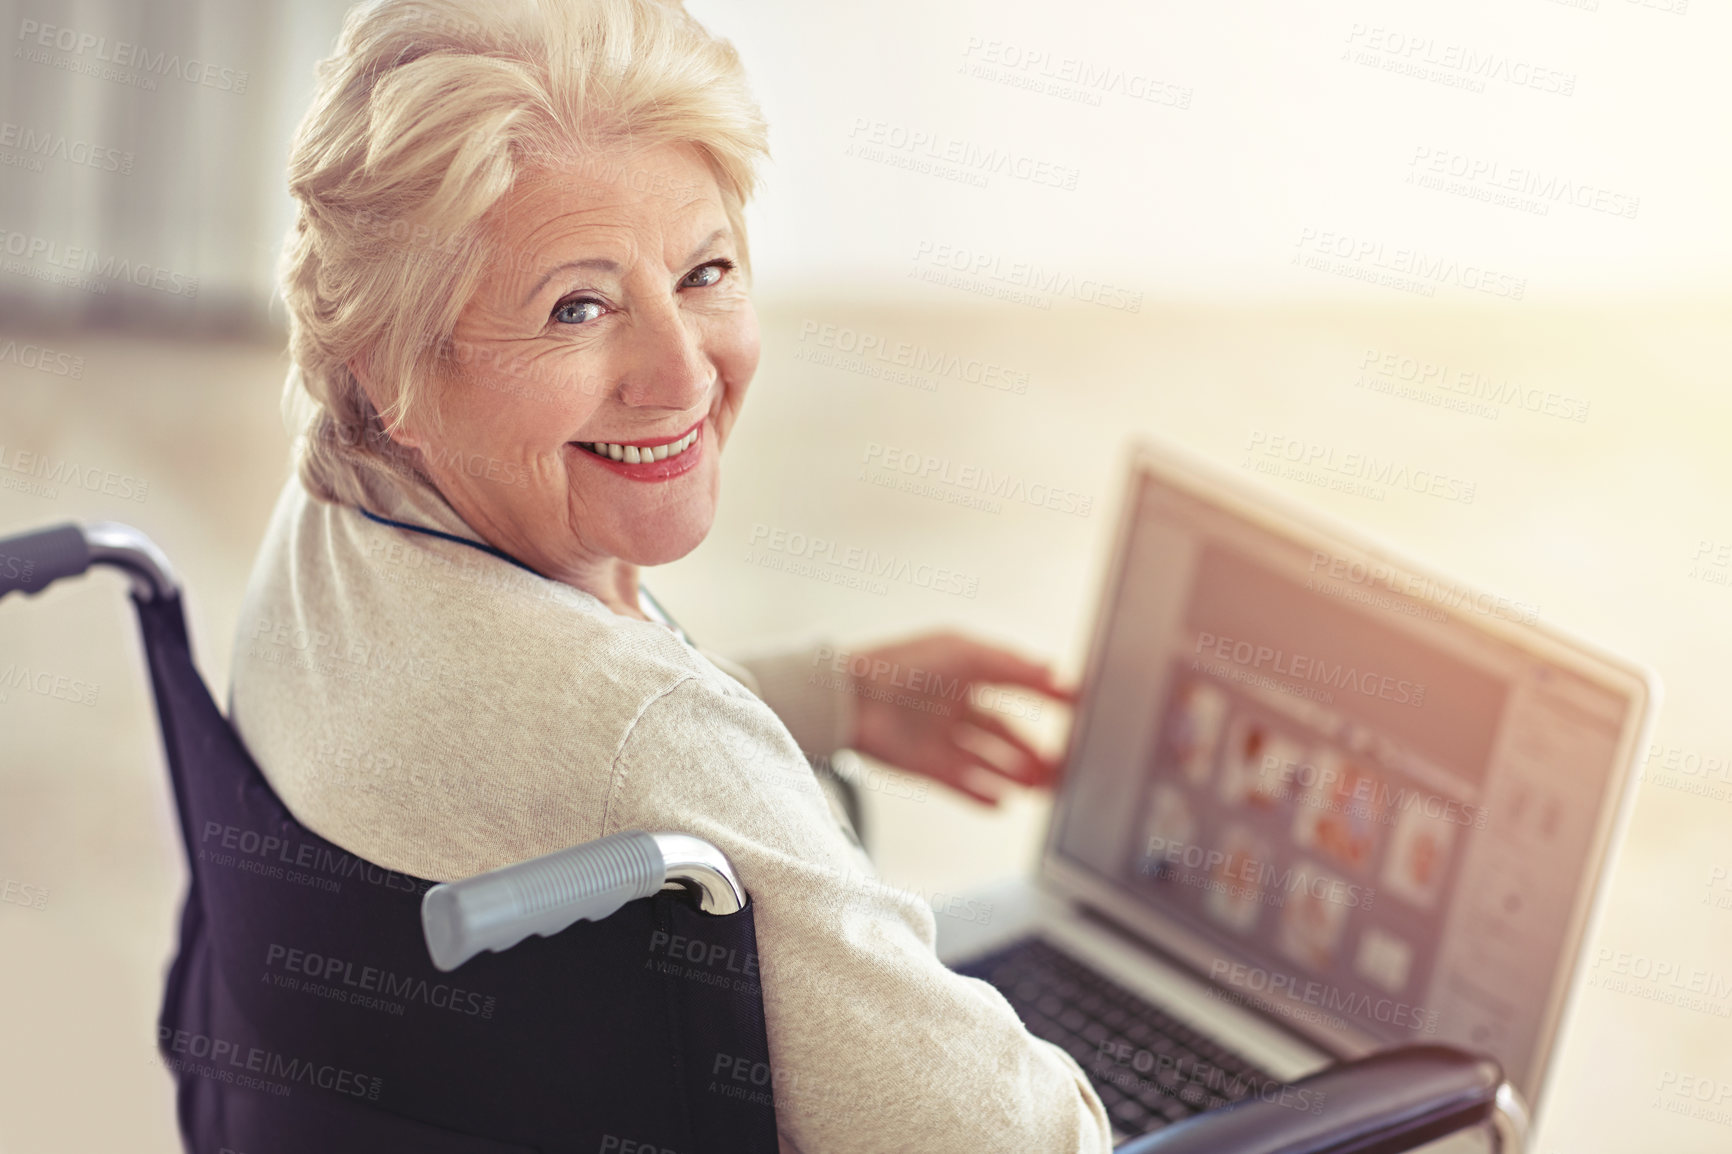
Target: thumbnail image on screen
{"points": [[1273, 835]]}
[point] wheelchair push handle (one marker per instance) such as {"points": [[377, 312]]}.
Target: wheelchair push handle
{"points": [[31, 562], [498, 909]]}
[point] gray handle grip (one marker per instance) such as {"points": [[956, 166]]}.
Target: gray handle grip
{"points": [[31, 562], [496, 910]]}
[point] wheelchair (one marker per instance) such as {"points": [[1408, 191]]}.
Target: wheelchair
{"points": [[319, 1002]]}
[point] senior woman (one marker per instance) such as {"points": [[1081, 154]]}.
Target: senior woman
{"points": [[517, 288]]}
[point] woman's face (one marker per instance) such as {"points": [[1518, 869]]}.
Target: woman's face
{"points": [[612, 314]]}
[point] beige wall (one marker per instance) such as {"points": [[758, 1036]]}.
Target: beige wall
{"points": [[1205, 138]]}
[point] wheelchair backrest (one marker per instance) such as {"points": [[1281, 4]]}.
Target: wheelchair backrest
{"points": [[302, 1011]]}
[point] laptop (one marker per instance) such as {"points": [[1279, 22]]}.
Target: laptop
{"points": [[1319, 801]]}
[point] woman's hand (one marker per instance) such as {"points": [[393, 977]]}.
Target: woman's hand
{"points": [[920, 708]]}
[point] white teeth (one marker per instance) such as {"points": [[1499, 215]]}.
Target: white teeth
{"points": [[632, 455]]}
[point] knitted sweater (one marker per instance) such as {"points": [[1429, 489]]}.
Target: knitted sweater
{"points": [[442, 712]]}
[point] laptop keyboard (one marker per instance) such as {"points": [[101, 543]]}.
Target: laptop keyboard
{"points": [[1150, 1069]]}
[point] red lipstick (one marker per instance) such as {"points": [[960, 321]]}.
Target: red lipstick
{"points": [[652, 470]]}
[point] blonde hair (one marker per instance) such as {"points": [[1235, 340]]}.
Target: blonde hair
{"points": [[425, 117]]}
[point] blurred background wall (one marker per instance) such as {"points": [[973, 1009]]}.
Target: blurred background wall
{"points": [[1488, 240]]}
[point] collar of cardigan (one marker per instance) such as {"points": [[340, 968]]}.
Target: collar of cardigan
{"points": [[645, 599]]}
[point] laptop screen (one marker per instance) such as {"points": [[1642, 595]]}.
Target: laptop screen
{"points": [[1374, 812]]}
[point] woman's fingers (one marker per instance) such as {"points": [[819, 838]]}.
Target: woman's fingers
{"points": [[964, 783], [965, 769], [948, 763], [981, 661], [990, 663], [1026, 765]]}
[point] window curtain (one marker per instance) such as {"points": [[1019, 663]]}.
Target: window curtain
{"points": [[142, 154]]}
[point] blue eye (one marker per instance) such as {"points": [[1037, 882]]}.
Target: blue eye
{"points": [[710, 273], [577, 311]]}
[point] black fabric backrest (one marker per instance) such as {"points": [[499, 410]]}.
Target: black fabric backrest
{"points": [[302, 1012]]}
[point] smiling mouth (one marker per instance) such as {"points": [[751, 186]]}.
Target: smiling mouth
{"points": [[639, 454]]}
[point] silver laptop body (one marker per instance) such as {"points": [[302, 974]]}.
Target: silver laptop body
{"points": [[1320, 800]]}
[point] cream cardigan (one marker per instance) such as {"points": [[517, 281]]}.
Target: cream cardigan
{"points": [[441, 712]]}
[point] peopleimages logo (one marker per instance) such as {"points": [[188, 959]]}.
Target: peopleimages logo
{"points": [[290, 643], [42, 359], [1299, 666], [1686, 762], [869, 564], [302, 863], [1067, 77], [1359, 473], [975, 479], [1711, 562], [1367, 800], [1024, 281], [229, 1060], [1719, 889], [81, 260], [1368, 258], [1147, 1069], [15, 677], [50, 145], [1324, 996], [45, 473], [888, 142], [1494, 177], [480, 467], [1664, 980], [124, 54], [1424, 58], [878, 680], [1379, 575], [916, 358], [362, 980], [1470, 385], [1271, 885], [19, 893], [1694, 1096], [846, 886]]}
